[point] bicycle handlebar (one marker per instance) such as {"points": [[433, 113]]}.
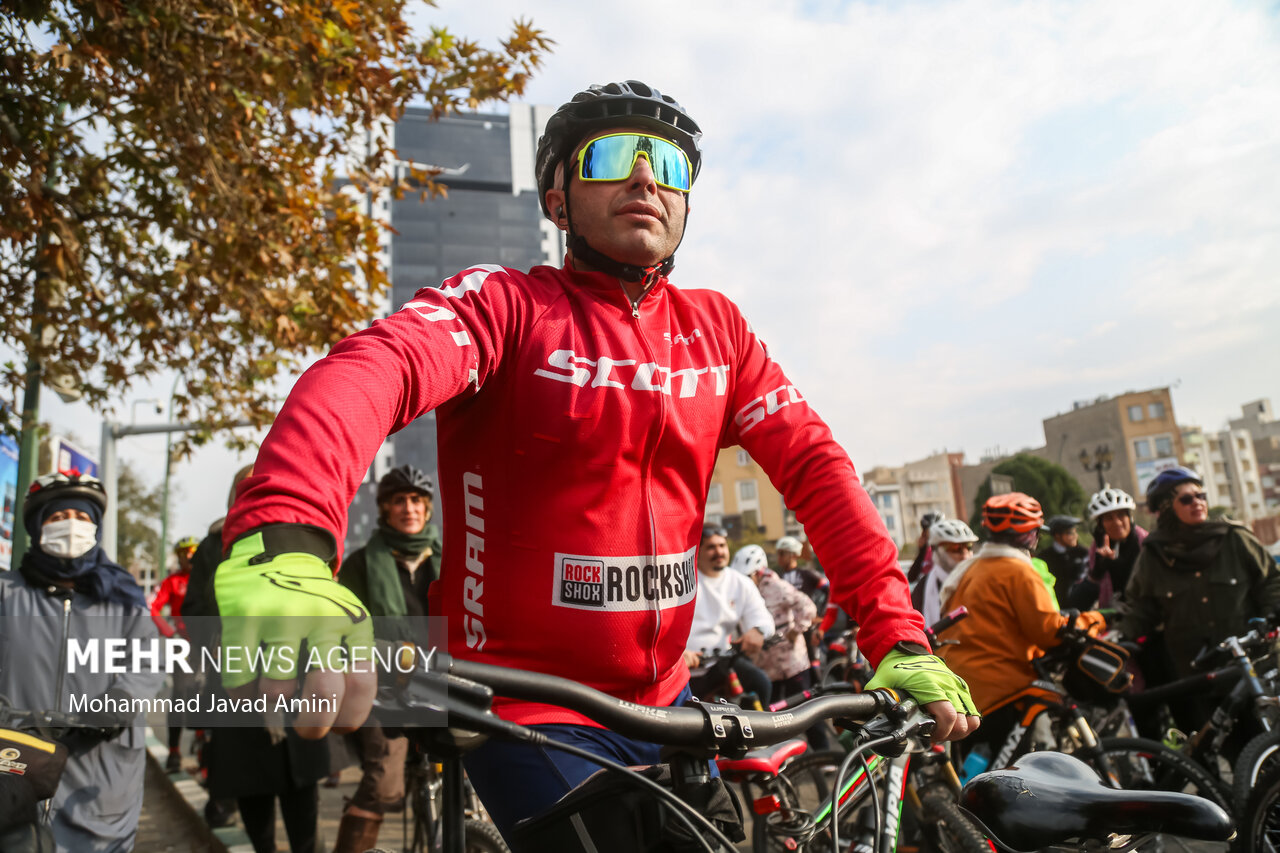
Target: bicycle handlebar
{"points": [[462, 689]]}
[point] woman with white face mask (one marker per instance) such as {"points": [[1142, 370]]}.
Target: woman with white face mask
{"points": [[952, 543], [66, 588]]}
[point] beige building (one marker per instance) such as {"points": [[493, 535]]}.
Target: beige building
{"points": [[1131, 437], [1227, 463], [1258, 419], [929, 485], [742, 499], [884, 487]]}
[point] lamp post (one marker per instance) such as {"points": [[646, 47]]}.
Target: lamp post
{"points": [[168, 469], [1099, 462]]}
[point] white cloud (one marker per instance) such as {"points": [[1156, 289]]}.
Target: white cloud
{"points": [[952, 219]]}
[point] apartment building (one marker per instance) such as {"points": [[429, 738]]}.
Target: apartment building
{"points": [[742, 499], [885, 490], [1123, 440], [1226, 462], [1259, 421], [930, 485]]}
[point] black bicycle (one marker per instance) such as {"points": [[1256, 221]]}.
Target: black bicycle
{"points": [[34, 747]]}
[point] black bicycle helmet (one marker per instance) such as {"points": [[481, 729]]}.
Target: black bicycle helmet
{"points": [[1160, 489], [613, 105], [63, 484], [626, 104], [406, 478]]}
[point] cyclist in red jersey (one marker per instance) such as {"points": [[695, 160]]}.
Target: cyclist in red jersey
{"points": [[580, 410], [171, 593]]}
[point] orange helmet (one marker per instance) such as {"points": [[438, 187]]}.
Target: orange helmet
{"points": [[1014, 512]]}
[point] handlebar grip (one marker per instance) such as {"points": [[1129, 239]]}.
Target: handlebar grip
{"points": [[950, 619]]}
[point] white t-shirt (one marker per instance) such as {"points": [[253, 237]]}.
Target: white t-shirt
{"points": [[728, 606]]}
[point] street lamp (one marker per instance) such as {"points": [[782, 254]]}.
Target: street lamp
{"points": [[1099, 462], [134, 409]]}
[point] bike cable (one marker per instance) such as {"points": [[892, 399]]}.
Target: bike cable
{"points": [[855, 753], [679, 807]]}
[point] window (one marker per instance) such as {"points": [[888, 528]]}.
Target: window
{"points": [[746, 490], [1219, 468], [889, 522], [1250, 486], [744, 458], [1142, 448], [1155, 411], [1245, 466], [715, 495], [886, 501], [1135, 413], [1241, 442], [1164, 446]]}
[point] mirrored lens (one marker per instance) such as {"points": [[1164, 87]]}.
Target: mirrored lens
{"points": [[612, 158]]}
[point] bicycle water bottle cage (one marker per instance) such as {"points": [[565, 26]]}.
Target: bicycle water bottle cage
{"points": [[1048, 798], [728, 725]]}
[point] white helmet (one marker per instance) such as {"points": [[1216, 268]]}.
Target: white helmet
{"points": [[950, 530], [1109, 500], [789, 545], [749, 560]]}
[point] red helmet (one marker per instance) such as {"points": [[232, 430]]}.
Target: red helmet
{"points": [[1013, 511]]}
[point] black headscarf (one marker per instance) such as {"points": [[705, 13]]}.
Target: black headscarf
{"points": [[1186, 547], [92, 573]]}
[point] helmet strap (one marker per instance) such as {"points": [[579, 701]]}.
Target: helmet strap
{"points": [[588, 254]]}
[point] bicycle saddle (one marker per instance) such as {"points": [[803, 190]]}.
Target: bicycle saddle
{"points": [[1047, 798], [767, 759]]}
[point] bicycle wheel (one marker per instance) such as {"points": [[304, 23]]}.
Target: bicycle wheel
{"points": [[483, 837], [946, 828], [1148, 765], [784, 828], [810, 779], [1258, 755], [1259, 824]]}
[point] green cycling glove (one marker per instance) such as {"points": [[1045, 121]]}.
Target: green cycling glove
{"points": [[926, 678], [269, 606]]}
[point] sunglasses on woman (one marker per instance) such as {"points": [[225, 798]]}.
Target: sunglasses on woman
{"points": [[1191, 497], [613, 158]]}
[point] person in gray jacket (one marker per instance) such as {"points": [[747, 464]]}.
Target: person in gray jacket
{"points": [[66, 587]]}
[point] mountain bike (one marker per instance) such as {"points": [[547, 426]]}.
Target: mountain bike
{"points": [[424, 783], [459, 692]]}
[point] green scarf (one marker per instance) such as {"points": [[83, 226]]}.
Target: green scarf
{"points": [[386, 594]]}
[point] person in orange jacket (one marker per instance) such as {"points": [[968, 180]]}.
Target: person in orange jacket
{"points": [[1011, 621]]}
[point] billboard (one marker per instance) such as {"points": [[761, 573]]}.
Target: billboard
{"points": [[1148, 468], [64, 456], [9, 494]]}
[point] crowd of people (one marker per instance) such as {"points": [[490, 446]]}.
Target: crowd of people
{"points": [[580, 412]]}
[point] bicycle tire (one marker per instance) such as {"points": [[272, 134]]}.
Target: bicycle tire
{"points": [[809, 779], [946, 827], [1259, 754], [1143, 764], [1258, 829], [480, 836], [761, 840]]}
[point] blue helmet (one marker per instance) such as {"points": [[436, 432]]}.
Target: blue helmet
{"points": [[1159, 489]]}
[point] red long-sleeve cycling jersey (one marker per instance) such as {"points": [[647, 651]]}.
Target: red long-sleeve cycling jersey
{"points": [[173, 590], [577, 437]]}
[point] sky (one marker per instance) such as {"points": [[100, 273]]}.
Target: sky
{"points": [[948, 220]]}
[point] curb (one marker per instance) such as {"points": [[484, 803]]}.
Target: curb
{"points": [[226, 839]]}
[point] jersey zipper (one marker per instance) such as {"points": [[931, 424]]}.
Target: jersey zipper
{"points": [[647, 481]]}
